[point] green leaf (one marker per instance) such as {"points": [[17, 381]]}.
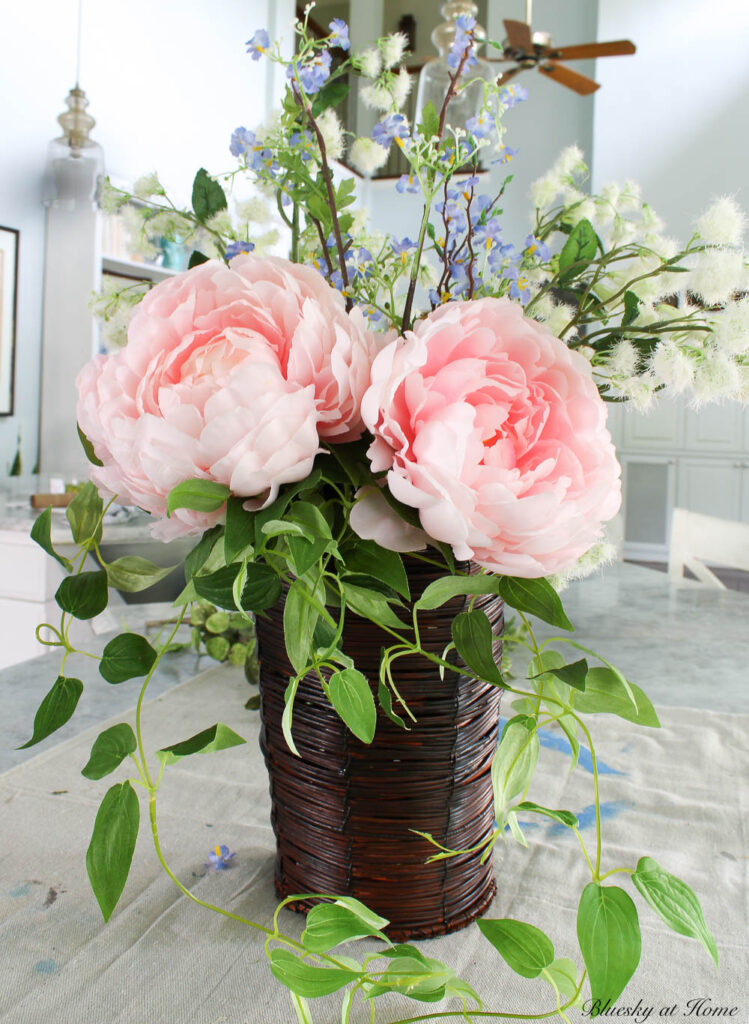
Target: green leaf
{"points": [[110, 749], [330, 96], [217, 622], [537, 597], [88, 448], [277, 508], [443, 590], [430, 121], [196, 559], [41, 534], [526, 949], [196, 259], [55, 710], [573, 674], [207, 196], [351, 696], [362, 911], [261, 590], [563, 817], [605, 693], [125, 657], [85, 595], [473, 639], [328, 924], [217, 647], [306, 980], [386, 703], [197, 495], [218, 737], [562, 973], [84, 514], [239, 531], [579, 249], [609, 935], [417, 977], [288, 711], [306, 553], [631, 308], [514, 762], [132, 573], [674, 902], [110, 852], [370, 605], [367, 557], [299, 620]]}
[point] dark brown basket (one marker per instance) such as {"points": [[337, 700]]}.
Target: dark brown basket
{"points": [[343, 810]]}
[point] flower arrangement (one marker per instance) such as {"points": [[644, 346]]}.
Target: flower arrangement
{"points": [[323, 422]]}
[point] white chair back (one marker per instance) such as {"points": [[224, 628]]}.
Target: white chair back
{"points": [[697, 539]]}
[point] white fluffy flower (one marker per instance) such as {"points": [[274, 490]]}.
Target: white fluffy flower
{"points": [[722, 223], [370, 62], [376, 96], [360, 222], [367, 156], [332, 133], [570, 161], [630, 197], [639, 390], [393, 47], [110, 199], [148, 185], [556, 315], [255, 209], [624, 359], [401, 87], [716, 275], [650, 219], [731, 328], [717, 377], [672, 367], [545, 190], [594, 558]]}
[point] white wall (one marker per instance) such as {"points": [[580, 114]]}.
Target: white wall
{"points": [[168, 81], [673, 117]]}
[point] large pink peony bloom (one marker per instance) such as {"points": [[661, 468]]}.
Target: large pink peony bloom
{"points": [[230, 374], [494, 430]]}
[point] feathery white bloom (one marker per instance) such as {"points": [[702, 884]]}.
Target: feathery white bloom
{"points": [[428, 275], [594, 558], [671, 366], [367, 156], [731, 328], [722, 223], [376, 96], [623, 230], [650, 219], [360, 221], [639, 390], [630, 197], [558, 316], [393, 47], [331, 130], [148, 185], [624, 359], [609, 194], [370, 62], [570, 161], [220, 222], [254, 209], [110, 200], [717, 377], [545, 190], [716, 275], [401, 87]]}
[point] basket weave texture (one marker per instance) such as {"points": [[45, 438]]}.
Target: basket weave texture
{"points": [[343, 811]]}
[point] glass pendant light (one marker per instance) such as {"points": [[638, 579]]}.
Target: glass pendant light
{"points": [[434, 78]]}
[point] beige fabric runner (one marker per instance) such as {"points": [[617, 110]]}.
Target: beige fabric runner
{"points": [[677, 794]]}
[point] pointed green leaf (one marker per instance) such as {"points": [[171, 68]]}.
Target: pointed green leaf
{"points": [[110, 852], [197, 495], [608, 931], [605, 693], [370, 605], [579, 249], [474, 641], [330, 96], [351, 696], [563, 817], [526, 949], [514, 762], [239, 531], [329, 924], [562, 973], [55, 710], [196, 259], [41, 534], [386, 703], [125, 657], [674, 902], [368, 558], [207, 196], [88, 448], [537, 597], [84, 514], [196, 559], [299, 620], [85, 595], [306, 980], [430, 121], [261, 590], [443, 590], [277, 508], [573, 674], [131, 574], [110, 749], [217, 737]]}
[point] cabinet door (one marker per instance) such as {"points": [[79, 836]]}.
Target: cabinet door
{"points": [[658, 428], [714, 428], [713, 488], [648, 499], [745, 493]]}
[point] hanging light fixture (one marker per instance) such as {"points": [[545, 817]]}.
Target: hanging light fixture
{"points": [[75, 162], [434, 77]]}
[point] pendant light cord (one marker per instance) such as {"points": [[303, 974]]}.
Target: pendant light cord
{"points": [[78, 45]]}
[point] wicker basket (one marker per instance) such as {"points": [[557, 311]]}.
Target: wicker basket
{"points": [[343, 811]]}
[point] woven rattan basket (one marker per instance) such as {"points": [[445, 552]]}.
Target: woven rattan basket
{"points": [[343, 811]]}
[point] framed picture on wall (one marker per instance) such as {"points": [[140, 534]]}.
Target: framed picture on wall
{"points": [[8, 301]]}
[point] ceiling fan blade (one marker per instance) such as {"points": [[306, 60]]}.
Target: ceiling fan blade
{"points": [[584, 51], [505, 76], [519, 35], [580, 84]]}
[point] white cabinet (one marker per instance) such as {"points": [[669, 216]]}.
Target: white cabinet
{"points": [[648, 485], [711, 487], [661, 427], [715, 428]]}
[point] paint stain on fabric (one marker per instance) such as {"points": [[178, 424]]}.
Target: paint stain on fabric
{"points": [[23, 889], [587, 817], [555, 741], [51, 897], [45, 967]]}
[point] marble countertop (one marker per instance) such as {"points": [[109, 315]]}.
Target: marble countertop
{"points": [[124, 526]]}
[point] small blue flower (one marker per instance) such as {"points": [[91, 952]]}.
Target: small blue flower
{"points": [[402, 248], [219, 858], [407, 183], [464, 40], [490, 234], [259, 43], [235, 248], [519, 284], [482, 126], [314, 72], [506, 154], [535, 247], [242, 141], [394, 126], [511, 95], [339, 34]]}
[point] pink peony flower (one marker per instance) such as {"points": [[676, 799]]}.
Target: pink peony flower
{"points": [[494, 430], [230, 374]]}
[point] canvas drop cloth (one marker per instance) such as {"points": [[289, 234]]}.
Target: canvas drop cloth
{"points": [[677, 794]]}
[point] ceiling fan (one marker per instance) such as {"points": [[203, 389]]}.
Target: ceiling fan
{"points": [[528, 49]]}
